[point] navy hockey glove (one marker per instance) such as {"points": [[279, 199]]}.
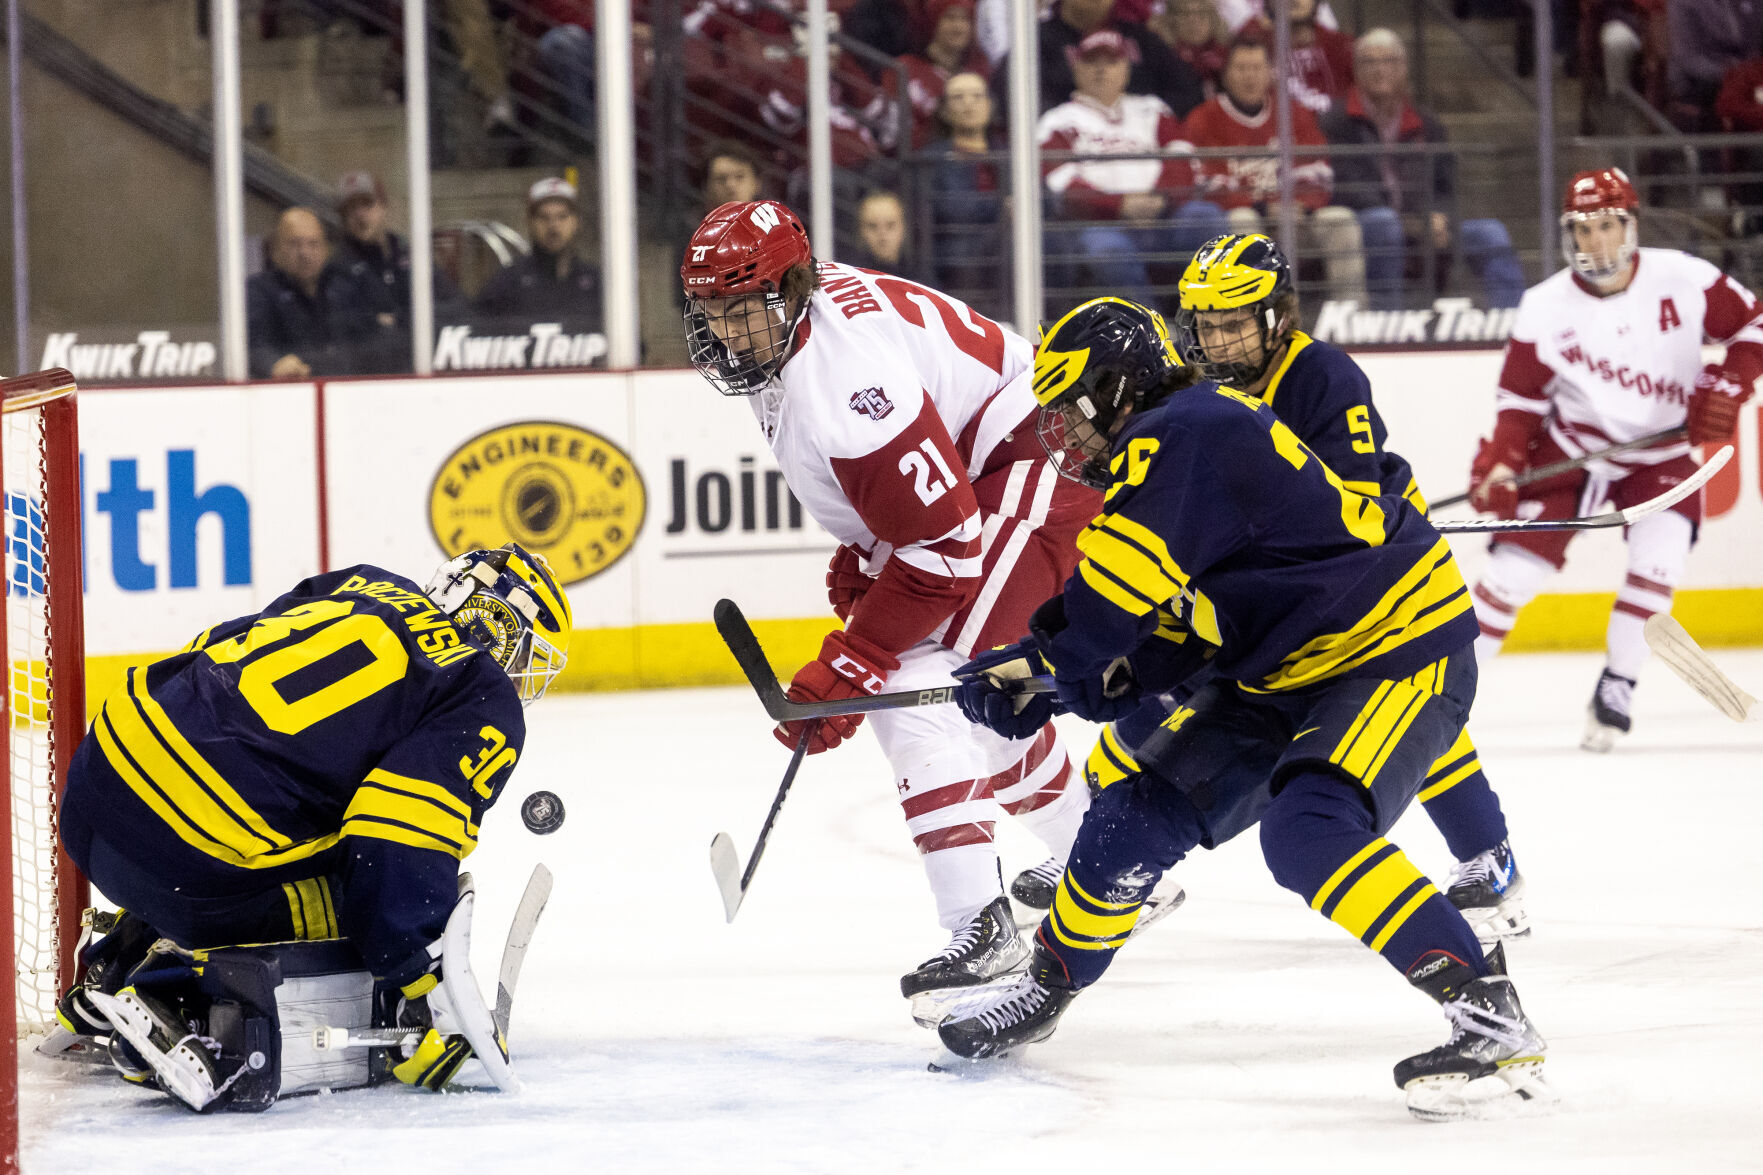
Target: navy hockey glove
{"points": [[1103, 697], [989, 698], [439, 1053]]}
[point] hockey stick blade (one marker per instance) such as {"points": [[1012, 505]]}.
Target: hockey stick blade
{"points": [[738, 635], [1678, 649], [1664, 501], [520, 937], [725, 863]]}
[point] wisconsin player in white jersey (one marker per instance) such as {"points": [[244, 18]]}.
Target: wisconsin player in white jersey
{"points": [[904, 423], [1605, 352]]}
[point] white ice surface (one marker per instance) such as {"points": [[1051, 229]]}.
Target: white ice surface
{"points": [[1244, 1033]]}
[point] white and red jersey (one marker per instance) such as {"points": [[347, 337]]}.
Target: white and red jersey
{"points": [[899, 401], [1241, 182], [1136, 124], [1597, 371]]}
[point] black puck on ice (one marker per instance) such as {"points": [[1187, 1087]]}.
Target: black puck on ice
{"points": [[543, 812]]}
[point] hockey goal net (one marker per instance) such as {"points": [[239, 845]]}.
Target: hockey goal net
{"points": [[45, 698]]}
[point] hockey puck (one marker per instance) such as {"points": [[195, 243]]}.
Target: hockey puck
{"points": [[542, 812]]}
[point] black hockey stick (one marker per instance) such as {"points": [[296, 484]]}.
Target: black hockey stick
{"points": [[737, 634], [725, 863], [1664, 501], [1532, 476]]}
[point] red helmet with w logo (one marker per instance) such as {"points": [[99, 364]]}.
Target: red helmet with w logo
{"points": [[740, 328], [1605, 190], [743, 248]]}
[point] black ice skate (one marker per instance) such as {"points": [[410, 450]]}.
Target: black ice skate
{"points": [[1004, 1017], [111, 945], [988, 947], [1495, 1053], [1489, 892], [1607, 718]]}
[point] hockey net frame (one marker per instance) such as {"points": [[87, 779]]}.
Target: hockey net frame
{"points": [[43, 640]]}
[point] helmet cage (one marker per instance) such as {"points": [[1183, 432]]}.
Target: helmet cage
{"points": [[496, 611], [749, 359], [1586, 265], [1258, 334], [1077, 427]]}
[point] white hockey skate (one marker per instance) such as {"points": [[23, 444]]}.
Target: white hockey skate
{"points": [[1607, 718], [1035, 888], [182, 1060], [1488, 891]]}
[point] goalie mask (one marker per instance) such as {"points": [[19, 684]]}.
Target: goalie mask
{"points": [[1238, 308], [1599, 235], [740, 317], [1103, 358], [509, 604]]}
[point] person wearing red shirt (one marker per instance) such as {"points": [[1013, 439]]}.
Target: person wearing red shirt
{"points": [[1248, 188], [1127, 210], [951, 50], [1321, 67]]}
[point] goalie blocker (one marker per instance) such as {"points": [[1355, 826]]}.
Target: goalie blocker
{"points": [[238, 1027]]}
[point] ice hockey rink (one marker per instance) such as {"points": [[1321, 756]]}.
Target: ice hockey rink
{"points": [[1243, 1033]]}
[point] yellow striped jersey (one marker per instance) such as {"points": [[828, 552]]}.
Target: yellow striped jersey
{"points": [[348, 727], [1221, 522]]}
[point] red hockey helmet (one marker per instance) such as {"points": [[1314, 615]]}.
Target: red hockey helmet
{"points": [[1592, 195], [739, 323]]}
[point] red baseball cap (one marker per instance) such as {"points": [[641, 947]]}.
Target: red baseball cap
{"points": [[1104, 42]]}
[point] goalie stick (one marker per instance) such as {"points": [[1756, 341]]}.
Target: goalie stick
{"points": [[737, 634], [1678, 649], [1532, 476], [1664, 501]]}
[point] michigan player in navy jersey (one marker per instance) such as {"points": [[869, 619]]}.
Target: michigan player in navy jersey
{"points": [[315, 771], [1244, 284], [1335, 631]]}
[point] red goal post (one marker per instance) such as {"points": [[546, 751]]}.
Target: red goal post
{"points": [[44, 645]]}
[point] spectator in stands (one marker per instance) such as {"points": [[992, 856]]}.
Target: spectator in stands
{"points": [[1406, 199], [1120, 210], [1238, 15], [969, 238], [1155, 70], [881, 236], [1622, 31], [1321, 68], [377, 261], [1709, 37], [893, 27], [566, 52], [1241, 115], [950, 50], [1196, 34], [552, 283], [731, 172], [302, 316], [1739, 107], [862, 114]]}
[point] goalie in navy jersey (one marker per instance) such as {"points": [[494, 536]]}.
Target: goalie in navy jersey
{"points": [[1337, 631], [1243, 284], [310, 773]]}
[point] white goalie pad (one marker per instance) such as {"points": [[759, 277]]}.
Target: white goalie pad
{"points": [[462, 1008]]}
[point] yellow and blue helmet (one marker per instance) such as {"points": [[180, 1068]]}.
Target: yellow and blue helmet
{"points": [[509, 603], [1102, 358], [1232, 274]]}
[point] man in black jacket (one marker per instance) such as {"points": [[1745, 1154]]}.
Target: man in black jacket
{"points": [[377, 261], [1406, 199], [552, 283], [304, 316]]}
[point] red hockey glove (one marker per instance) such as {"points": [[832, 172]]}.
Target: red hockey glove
{"points": [[845, 581], [1490, 479], [1714, 405], [848, 667]]}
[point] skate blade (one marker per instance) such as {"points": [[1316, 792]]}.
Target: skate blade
{"points": [[931, 1008], [76, 1047], [1598, 738], [974, 1068], [189, 1081], [1156, 910], [1493, 924], [1517, 1087]]}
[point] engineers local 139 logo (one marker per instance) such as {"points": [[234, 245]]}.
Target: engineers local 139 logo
{"points": [[569, 494]]}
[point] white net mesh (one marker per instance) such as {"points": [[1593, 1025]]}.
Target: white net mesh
{"points": [[32, 762]]}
